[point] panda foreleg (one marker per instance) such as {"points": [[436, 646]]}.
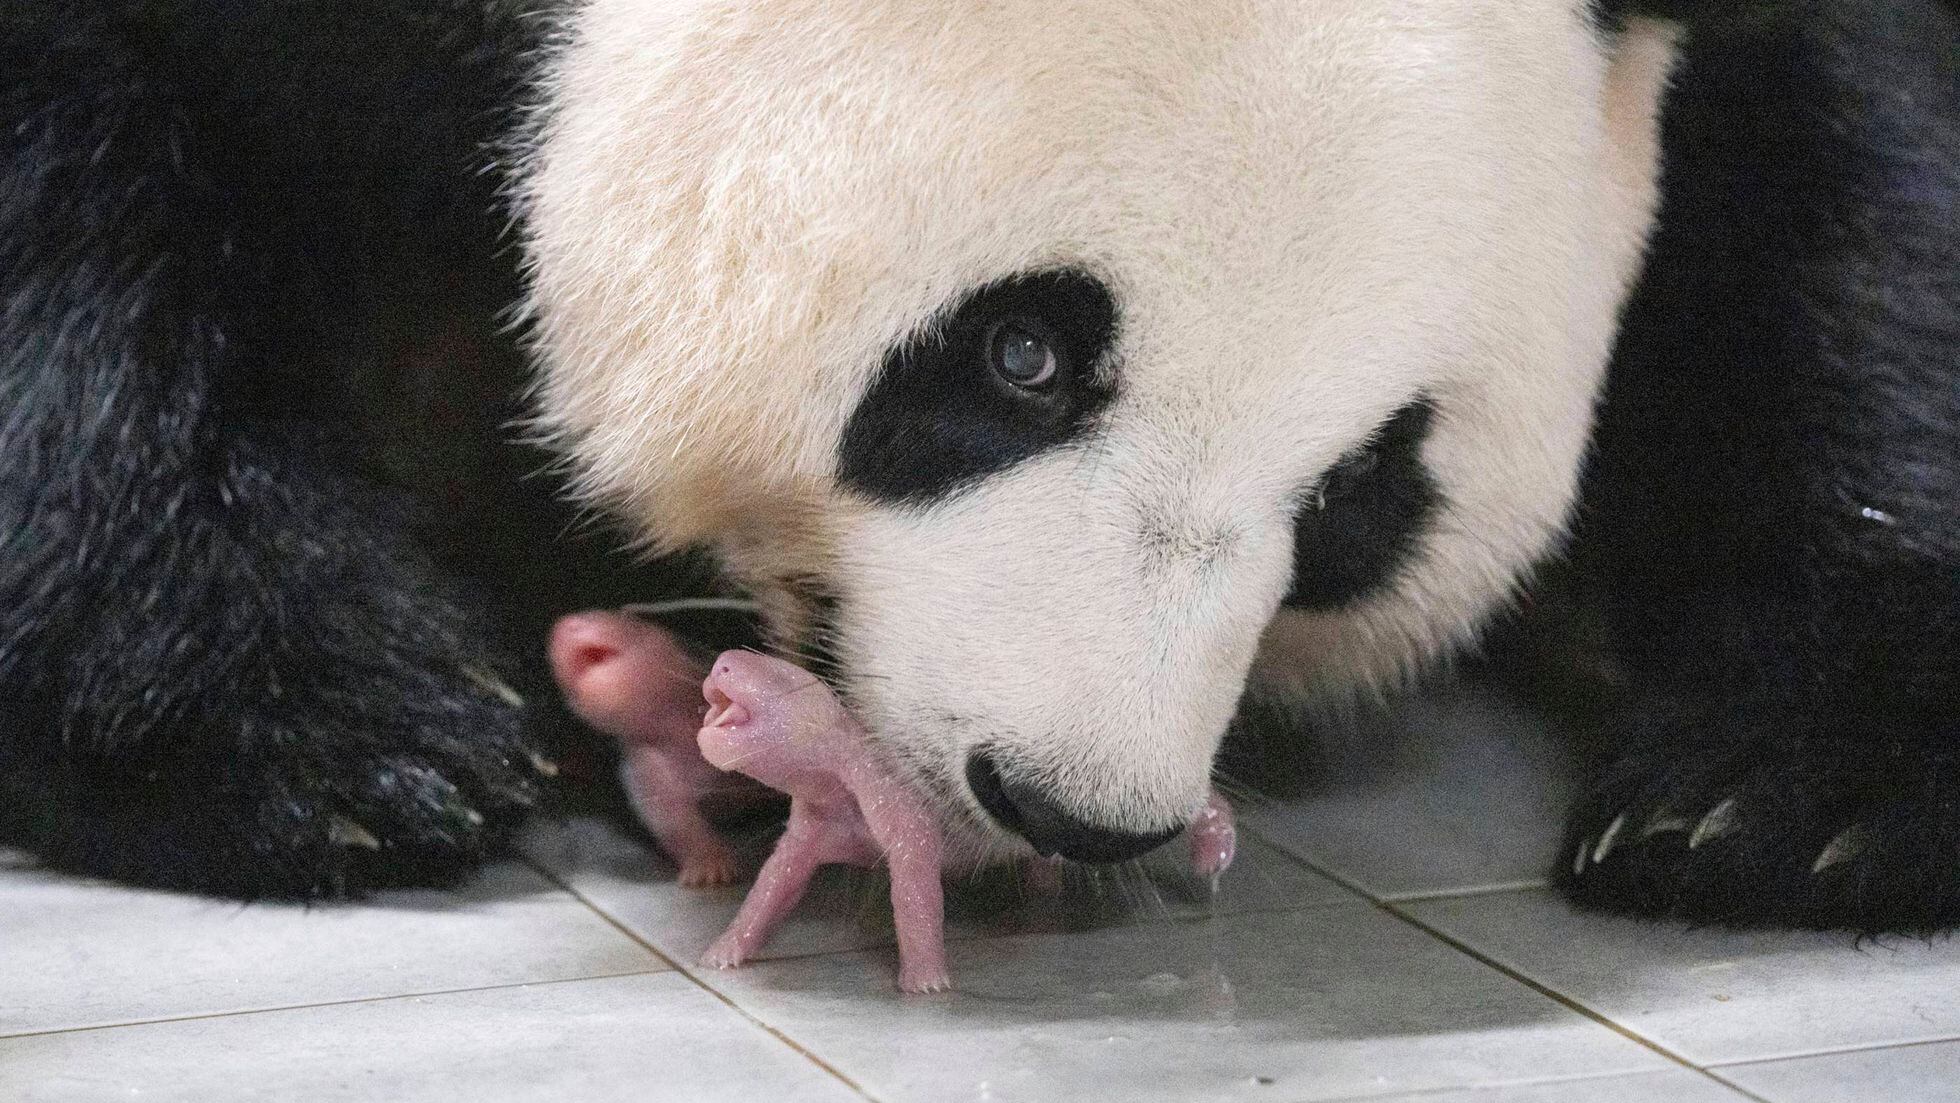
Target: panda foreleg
{"points": [[223, 666], [1775, 500], [271, 696]]}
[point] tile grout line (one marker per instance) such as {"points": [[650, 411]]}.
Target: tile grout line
{"points": [[1839, 1051], [1393, 909], [1301, 858], [1568, 1002], [1498, 889], [1556, 1081], [1311, 866], [704, 986], [279, 1008]]}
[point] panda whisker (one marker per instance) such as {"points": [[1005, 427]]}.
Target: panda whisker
{"points": [[1240, 792]]}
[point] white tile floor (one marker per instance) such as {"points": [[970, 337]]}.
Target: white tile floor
{"points": [[1384, 939]]}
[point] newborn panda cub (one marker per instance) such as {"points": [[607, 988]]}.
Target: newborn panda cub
{"points": [[632, 681], [780, 725]]}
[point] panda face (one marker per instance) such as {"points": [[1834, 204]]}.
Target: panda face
{"points": [[1057, 367]]}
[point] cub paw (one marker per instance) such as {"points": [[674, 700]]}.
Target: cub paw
{"points": [[924, 980], [725, 952], [711, 868]]}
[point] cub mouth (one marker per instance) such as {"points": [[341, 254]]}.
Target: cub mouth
{"points": [[723, 711]]}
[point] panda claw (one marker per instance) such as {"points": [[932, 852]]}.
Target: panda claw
{"points": [[1579, 858], [348, 833], [465, 813], [490, 683], [1608, 837], [1719, 821], [1661, 824], [1845, 846]]}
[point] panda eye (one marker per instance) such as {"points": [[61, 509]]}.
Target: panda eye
{"points": [[1020, 355], [1010, 370]]}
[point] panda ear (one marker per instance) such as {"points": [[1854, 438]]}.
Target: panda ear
{"points": [[1640, 54]]}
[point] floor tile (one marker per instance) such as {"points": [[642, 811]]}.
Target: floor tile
{"points": [[1715, 996], [1676, 1086], [850, 909], [80, 953], [1324, 1003], [1459, 790], [1904, 1074], [635, 1039]]}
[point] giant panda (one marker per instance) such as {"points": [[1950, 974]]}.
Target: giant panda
{"points": [[1056, 375]]}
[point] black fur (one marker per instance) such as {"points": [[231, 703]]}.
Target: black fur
{"points": [[1775, 506], [253, 493], [938, 418], [1356, 530], [1610, 16]]}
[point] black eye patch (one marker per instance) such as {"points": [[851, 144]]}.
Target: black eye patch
{"points": [[1359, 526], [940, 416]]}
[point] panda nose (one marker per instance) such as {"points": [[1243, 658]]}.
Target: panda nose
{"points": [[1054, 833]]}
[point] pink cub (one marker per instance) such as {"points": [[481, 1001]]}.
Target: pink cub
{"points": [[630, 680], [778, 724]]}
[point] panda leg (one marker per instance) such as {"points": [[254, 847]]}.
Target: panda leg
{"points": [[270, 695], [1775, 500], [223, 666], [1788, 617]]}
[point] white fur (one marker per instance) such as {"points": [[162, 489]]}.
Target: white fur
{"points": [[1308, 214]]}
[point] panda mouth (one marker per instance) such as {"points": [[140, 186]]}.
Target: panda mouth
{"points": [[983, 777], [923, 733]]}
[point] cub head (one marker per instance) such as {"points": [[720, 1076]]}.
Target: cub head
{"points": [[1056, 367]]}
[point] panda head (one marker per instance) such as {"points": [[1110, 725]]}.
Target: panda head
{"points": [[1059, 366]]}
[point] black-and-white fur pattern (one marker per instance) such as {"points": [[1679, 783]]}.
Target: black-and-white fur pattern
{"points": [[1326, 296], [1300, 220]]}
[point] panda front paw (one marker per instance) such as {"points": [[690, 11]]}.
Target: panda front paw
{"points": [[393, 777], [1784, 826], [416, 785]]}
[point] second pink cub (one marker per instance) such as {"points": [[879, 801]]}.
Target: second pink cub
{"points": [[780, 725]]}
